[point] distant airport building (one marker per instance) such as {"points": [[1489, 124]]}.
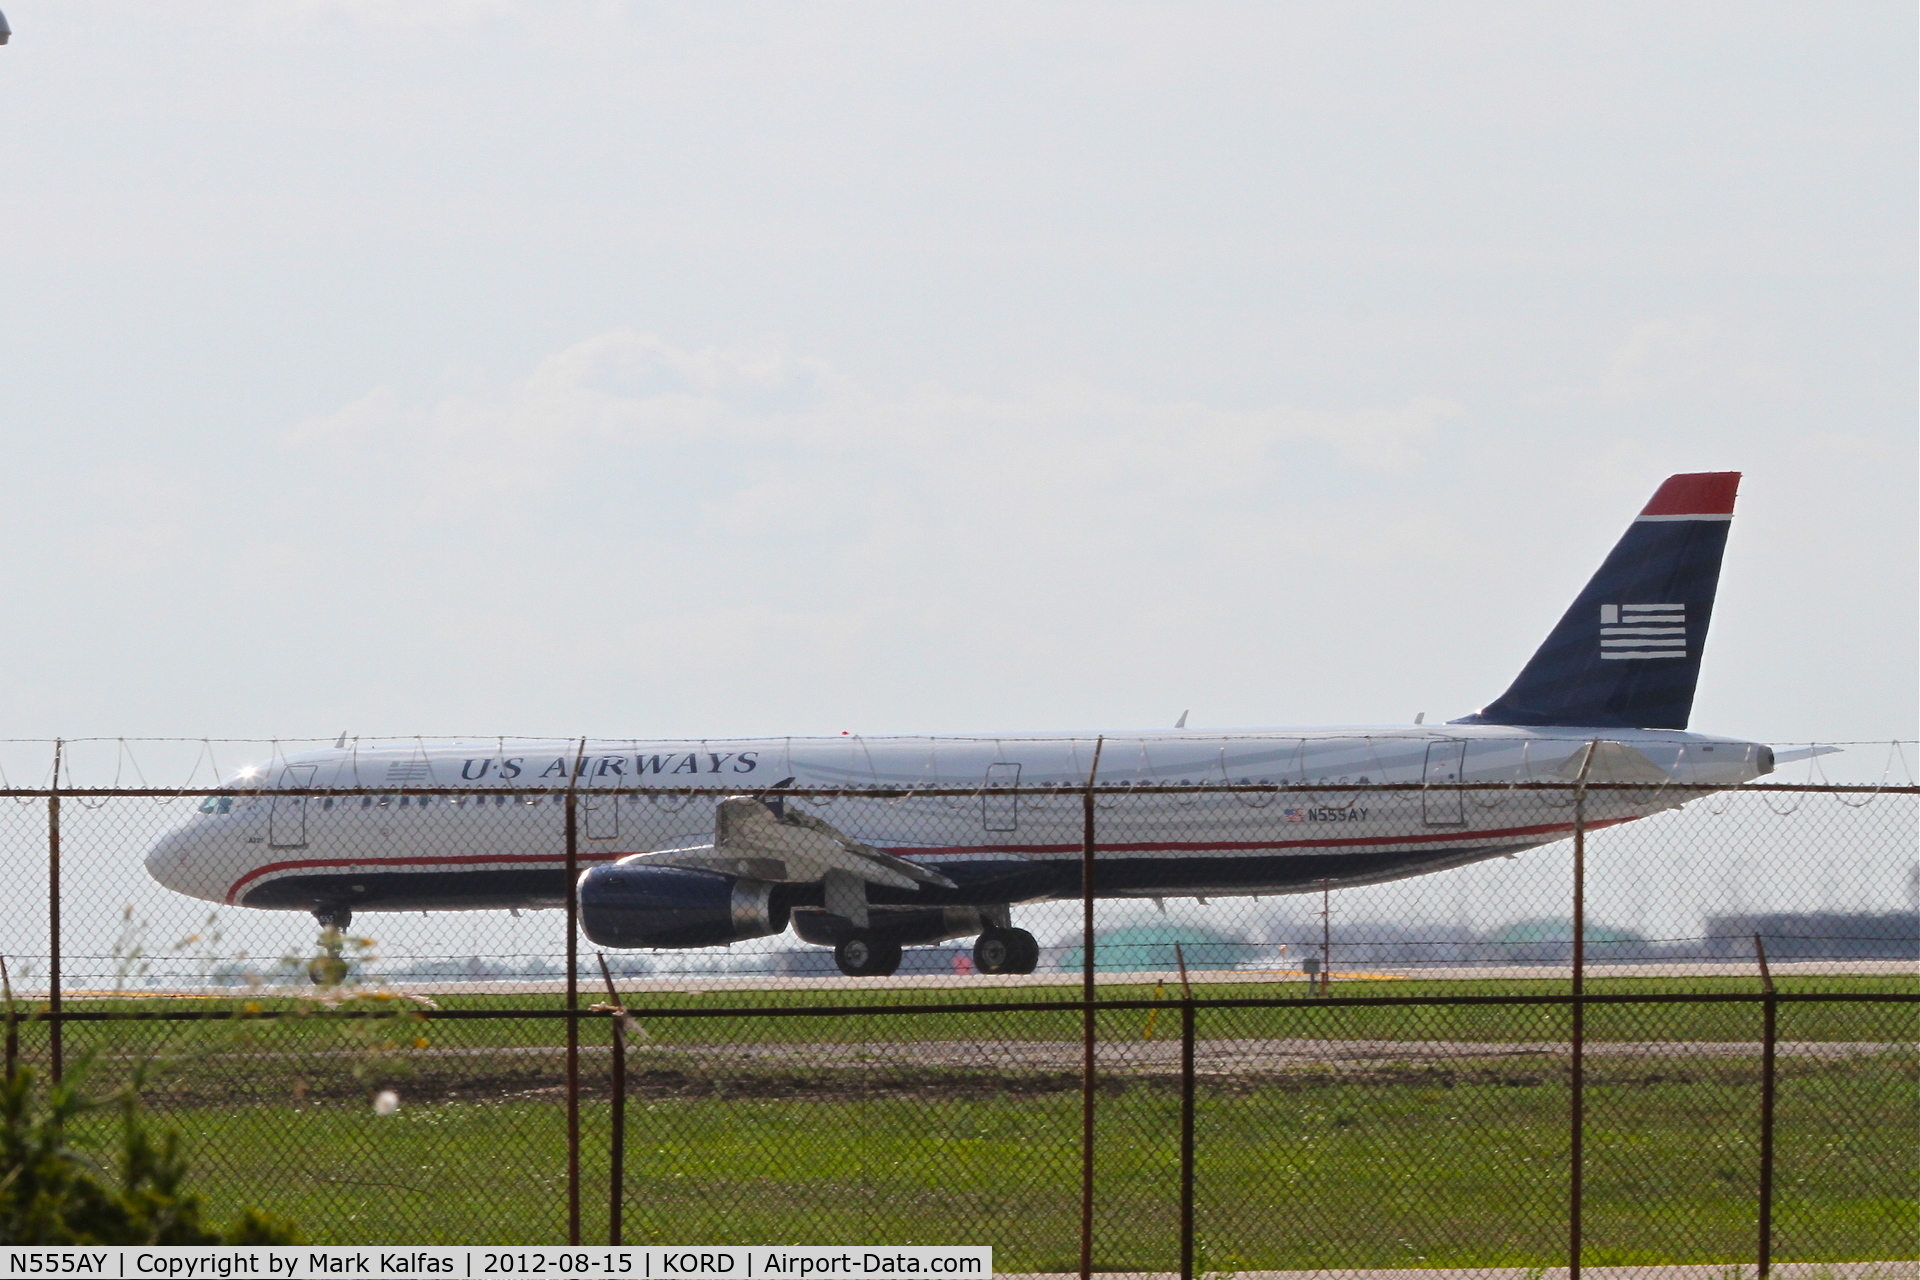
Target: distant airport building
{"points": [[1818, 935]]}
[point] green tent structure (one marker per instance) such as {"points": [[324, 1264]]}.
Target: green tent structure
{"points": [[1552, 939], [1150, 947]]}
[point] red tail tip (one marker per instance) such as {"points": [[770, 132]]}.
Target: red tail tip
{"points": [[1698, 493]]}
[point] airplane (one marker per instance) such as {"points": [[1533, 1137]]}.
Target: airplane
{"points": [[1606, 698]]}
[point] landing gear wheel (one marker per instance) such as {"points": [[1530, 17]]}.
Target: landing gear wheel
{"points": [[326, 971], [329, 970], [866, 955], [1006, 951]]}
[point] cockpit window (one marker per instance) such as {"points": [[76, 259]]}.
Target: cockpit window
{"points": [[217, 804]]}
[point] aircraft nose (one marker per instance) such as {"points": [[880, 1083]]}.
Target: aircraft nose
{"points": [[170, 861]]}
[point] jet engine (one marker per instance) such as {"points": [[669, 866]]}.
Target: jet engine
{"points": [[661, 906]]}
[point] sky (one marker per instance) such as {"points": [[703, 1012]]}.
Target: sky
{"points": [[472, 367]]}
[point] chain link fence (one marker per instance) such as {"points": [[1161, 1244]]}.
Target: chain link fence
{"points": [[1680, 1027]]}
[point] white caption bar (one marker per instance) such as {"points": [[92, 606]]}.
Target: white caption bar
{"points": [[478, 1262]]}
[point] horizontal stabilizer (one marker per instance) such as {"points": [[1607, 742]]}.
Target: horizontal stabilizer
{"points": [[1802, 753]]}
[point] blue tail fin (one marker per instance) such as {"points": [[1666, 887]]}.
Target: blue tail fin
{"points": [[1627, 654]]}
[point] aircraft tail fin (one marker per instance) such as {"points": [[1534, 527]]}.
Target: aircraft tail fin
{"points": [[1627, 653]]}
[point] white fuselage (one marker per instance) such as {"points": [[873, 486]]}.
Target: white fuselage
{"points": [[482, 846]]}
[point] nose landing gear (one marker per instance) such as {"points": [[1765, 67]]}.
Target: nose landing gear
{"points": [[1006, 951], [330, 970]]}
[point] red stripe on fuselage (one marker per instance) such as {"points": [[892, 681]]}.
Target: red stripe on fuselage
{"points": [[961, 851], [478, 859]]}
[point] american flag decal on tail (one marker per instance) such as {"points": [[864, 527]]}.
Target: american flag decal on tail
{"points": [[1643, 631], [1670, 553]]}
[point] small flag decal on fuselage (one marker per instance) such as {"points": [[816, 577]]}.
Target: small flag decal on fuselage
{"points": [[1643, 631], [410, 773]]}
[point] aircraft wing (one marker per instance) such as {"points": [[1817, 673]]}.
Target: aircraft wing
{"points": [[750, 839]]}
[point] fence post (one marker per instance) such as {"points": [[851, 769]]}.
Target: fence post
{"points": [[617, 1120], [1087, 1019], [1769, 1009], [55, 1041], [1186, 1117], [1326, 938], [1577, 1092], [573, 998], [13, 1020]]}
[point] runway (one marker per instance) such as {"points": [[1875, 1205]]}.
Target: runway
{"points": [[704, 984]]}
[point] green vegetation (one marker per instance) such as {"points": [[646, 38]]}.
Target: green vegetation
{"points": [[809, 1129], [52, 1192], [1393, 1168]]}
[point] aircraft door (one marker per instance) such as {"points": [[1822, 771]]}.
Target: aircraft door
{"points": [[999, 805], [602, 815], [287, 820], [1445, 765]]}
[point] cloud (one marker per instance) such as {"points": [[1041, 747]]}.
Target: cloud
{"points": [[1691, 358], [141, 517], [635, 508], [409, 15], [773, 432]]}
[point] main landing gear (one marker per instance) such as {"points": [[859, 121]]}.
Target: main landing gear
{"points": [[866, 954], [1006, 951]]}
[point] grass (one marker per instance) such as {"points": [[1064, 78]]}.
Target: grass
{"points": [[1408, 1170], [1417, 1162]]}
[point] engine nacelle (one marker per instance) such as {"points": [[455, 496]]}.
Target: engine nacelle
{"points": [[643, 906]]}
